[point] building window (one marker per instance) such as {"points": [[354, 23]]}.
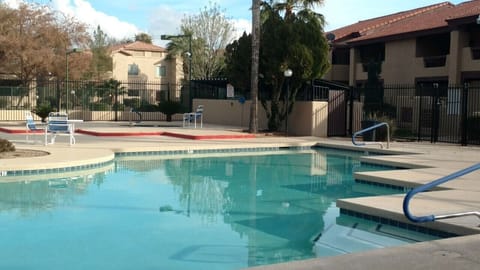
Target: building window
{"points": [[161, 71], [133, 69]]}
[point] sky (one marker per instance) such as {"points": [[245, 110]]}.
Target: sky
{"points": [[125, 18]]}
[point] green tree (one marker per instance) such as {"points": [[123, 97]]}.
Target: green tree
{"points": [[143, 37], [239, 64], [34, 42], [210, 32], [289, 5], [296, 43], [110, 90], [101, 59]]}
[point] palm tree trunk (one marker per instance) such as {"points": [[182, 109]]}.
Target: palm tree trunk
{"points": [[253, 127]]}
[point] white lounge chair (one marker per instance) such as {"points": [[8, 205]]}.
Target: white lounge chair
{"points": [[190, 117], [57, 124]]}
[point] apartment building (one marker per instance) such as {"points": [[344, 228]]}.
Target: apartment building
{"points": [[437, 44], [145, 70]]}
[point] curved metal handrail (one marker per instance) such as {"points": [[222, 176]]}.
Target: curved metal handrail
{"points": [[369, 129], [431, 185]]}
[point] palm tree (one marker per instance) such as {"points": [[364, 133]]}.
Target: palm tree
{"points": [[289, 5], [253, 126]]}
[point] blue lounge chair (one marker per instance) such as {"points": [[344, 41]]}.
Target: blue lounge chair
{"points": [[188, 118], [31, 126], [57, 124]]}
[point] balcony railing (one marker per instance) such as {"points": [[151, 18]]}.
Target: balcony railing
{"points": [[434, 61]]}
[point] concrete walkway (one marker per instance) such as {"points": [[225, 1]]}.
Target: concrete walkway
{"points": [[426, 162]]}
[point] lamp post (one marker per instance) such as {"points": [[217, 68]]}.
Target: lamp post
{"points": [[67, 53], [287, 73], [189, 55]]}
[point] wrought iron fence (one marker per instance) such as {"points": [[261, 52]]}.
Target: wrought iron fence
{"points": [[89, 100], [432, 113]]}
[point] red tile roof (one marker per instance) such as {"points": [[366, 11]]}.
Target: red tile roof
{"points": [[138, 46], [411, 21]]}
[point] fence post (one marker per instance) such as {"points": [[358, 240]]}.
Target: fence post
{"points": [[419, 132], [464, 127], [351, 99]]}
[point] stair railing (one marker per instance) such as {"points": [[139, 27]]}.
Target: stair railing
{"points": [[431, 185], [370, 129]]}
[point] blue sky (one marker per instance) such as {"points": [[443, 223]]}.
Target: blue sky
{"points": [[125, 18]]}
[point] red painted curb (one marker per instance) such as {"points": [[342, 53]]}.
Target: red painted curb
{"points": [[121, 134], [148, 133], [19, 131], [209, 137]]}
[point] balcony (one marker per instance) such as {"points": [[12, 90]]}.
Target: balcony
{"points": [[434, 61]]}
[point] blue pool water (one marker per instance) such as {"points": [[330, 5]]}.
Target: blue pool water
{"points": [[191, 212]]}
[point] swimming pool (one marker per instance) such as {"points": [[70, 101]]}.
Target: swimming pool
{"points": [[212, 211]]}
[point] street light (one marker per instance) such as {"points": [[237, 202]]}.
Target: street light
{"points": [[189, 55], [287, 73], [67, 53]]}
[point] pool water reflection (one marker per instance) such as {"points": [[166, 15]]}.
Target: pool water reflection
{"points": [[183, 212]]}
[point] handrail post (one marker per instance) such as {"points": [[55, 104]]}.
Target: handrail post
{"points": [[370, 129], [431, 185]]}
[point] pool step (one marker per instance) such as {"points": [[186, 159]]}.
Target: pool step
{"points": [[351, 234], [389, 208]]}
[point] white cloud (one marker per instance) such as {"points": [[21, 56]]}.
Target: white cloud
{"points": [[164, 20], [84, 12], [12, 3], [241, 25]]}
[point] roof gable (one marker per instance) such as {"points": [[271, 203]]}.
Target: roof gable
{"points": [[412, 21], [137, 46]]}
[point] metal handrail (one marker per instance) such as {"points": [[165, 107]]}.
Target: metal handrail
{"points": [[431, 185], [369, 129]]}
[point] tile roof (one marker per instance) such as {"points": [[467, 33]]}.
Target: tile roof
{"points": [[138, 46], [410, 21]]}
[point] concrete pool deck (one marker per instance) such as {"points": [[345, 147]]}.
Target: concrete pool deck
{"points": [[426, 162]]}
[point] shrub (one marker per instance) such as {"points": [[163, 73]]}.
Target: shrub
{"points": [[132, 102], [3, 103], [170, 108], [100, 107], [6, 146], [43, 110], [145, 106]]}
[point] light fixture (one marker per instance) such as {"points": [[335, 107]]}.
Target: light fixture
{"points": [[287, 73], [478, 19]]}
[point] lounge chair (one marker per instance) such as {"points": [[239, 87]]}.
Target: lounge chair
{"points": [[31, 126], [190, 117], [57, 124]]}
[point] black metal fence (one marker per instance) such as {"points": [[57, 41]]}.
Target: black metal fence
{"points": [[439, 114], [433, 112], [89, 100], [423, 112]]}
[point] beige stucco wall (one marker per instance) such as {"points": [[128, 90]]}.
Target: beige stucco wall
{"points": [[147, 64], [309, 118], [337, 73], [306, 119], [468, 64], [230, 112], [400, 64]]}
